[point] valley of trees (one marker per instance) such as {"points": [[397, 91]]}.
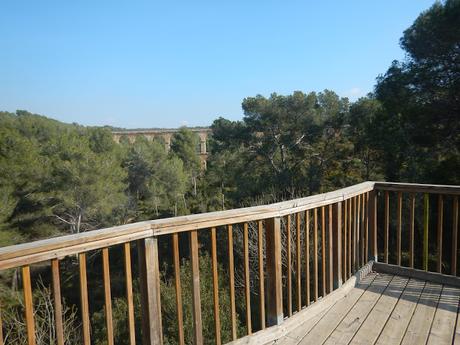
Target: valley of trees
{"points": [[58, 178]]}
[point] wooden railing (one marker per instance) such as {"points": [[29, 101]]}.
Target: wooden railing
{"points": [[303, 249]]}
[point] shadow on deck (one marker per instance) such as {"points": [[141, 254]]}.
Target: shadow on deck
{"points": [[381, 304]]}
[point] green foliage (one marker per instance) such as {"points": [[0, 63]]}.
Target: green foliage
{"points": [[168, 301], [285, 146], [156, 181], [420, 124]]}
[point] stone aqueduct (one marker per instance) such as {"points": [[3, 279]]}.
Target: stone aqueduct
{"points": [[166, 134]]}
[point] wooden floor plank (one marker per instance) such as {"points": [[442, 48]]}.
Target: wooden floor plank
{"points": [[349, 325], [373, 285], [296, 335], [396, 326], [377, 318], [443, 327], [419, 326]]}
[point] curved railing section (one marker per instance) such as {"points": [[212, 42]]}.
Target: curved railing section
{"points": [[270, 261]]}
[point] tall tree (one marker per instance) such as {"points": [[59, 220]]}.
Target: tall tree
{"points": [[421, 96]]}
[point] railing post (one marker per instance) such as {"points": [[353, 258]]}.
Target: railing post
{"points": [[372, 210], [149, 272], [274, 278], [337, 244]]}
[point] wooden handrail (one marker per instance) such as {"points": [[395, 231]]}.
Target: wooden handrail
{"points": [[343, 223], [59, 247], [417, 188]]}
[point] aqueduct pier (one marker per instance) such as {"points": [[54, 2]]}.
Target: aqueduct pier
{"points": [[166, 134]]}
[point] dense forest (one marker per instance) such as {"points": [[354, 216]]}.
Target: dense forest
{"points": [[58, 178]]}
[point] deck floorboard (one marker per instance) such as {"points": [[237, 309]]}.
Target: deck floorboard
{"points": [[385, 309]]}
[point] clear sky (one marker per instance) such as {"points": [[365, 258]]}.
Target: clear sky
{"points": [[170, 63]]}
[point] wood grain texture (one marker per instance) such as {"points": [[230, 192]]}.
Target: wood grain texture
{"points": [[386, 227], [149, 271], [57, 300], [260, 242], [315, 254], [28, 305], [399, 228], [274, 272], [84, 299], [215, 285], [426, 210], [345, 240], [196, 296], [323, 251], [231, 276], [288, 270], [439, 232], [372, 206], [247, 281], [129, 292], [330, 257], [366, 228], [358, 231], [178, 288], [350, 238], [307, 257], [337, 245], [59, 247], [56, 248], [454, 235], [411, 230], [298, 262], [107, 295]]}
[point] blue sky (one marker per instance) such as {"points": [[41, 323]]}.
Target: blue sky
{"points": [[166, 64]]}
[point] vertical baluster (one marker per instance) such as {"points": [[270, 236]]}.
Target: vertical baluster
{"points": [[107, 295], [323, 250], [261, 275], [358, 230], [350, 253], [440, 223], [196, 298], [372, 206], [298, 272], [231, 273], [149, 279], [330, 253], [345, 240], [399, 229], [355, 237], [246, 278], [362, 228], [307, 256], [426, 206], [315, 253], [336, 238], [178, 288], [288, 254], [411, 234], [274, 271], [215, 284], [57, 302], [84, 299], [129, 293], [454, 235], [366, 229], [29, 305], [386, 227]]}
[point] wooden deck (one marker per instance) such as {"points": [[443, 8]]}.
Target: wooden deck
{"points": [[379, 308]]}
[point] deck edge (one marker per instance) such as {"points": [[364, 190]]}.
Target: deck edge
{"points": [[434, 277], [275, 332]]}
